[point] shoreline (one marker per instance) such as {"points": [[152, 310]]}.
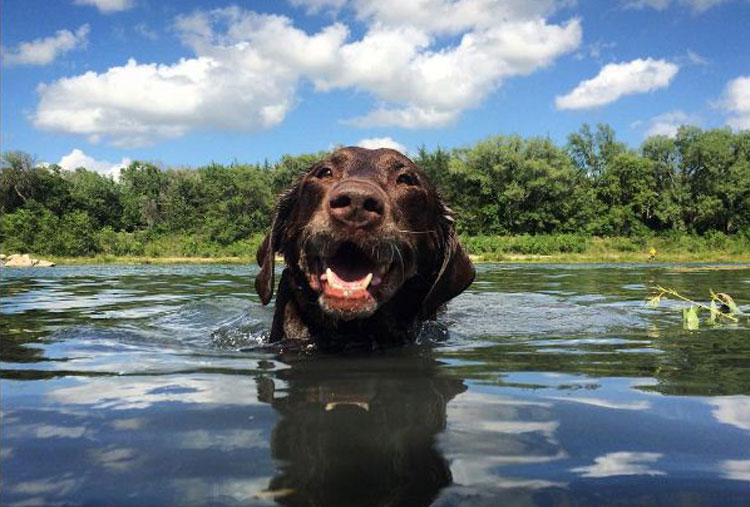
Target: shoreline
{"points": [[563, 258], [549, 249]]}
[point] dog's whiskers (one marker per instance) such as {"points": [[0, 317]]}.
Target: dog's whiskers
{"points": [[401, 259], [406, 231]]}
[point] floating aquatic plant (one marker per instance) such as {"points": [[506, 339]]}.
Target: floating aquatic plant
{"points": [[722, 306]]}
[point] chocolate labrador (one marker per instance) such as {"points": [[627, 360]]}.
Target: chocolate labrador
{"points": [[370, 248]]}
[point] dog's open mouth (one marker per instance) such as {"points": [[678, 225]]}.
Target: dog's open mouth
{"points": [[349, 273], [350, 280]]}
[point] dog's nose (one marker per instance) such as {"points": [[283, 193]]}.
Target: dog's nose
{"points": [[357, 203]]}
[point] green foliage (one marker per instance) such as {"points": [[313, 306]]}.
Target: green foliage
{"points": [[120, 244], [510, 196], [141, 185], [722, 307], [286, 171], [593, 152], [97, 195], [508, 185], [525, 244], [34, 228]]}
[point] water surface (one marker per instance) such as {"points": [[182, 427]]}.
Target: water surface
{"points": [[554, 385]]}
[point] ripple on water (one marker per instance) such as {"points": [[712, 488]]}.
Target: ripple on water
{"points": [[542, 384], [519, 314]]}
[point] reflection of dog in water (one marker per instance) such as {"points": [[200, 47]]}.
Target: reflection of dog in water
{"points": [[360, 431]]}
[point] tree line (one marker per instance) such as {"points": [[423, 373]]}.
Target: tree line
{"points": [[695, 183]]}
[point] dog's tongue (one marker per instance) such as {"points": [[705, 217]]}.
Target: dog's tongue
{"points": [[338, 287]]}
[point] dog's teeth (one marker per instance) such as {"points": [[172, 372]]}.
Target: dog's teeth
{"points": [[349, 288], [329, 276]]}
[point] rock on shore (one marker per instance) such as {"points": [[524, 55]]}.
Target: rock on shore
{"points": [[23, 261]]}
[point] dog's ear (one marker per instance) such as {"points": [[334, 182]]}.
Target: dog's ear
{"points": [[456, 271], [264, 281], [272, 243]]}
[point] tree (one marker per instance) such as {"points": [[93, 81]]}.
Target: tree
{"points": [[714, 170], [141, 185], [286, 171], [668, 185], [592, 151], [626, 189], [16, 179], [98, 196]]}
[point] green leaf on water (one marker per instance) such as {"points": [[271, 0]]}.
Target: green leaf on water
{"points": [[721, 306], [654, 301], [727, 300], [690, 318], [714, 312]]}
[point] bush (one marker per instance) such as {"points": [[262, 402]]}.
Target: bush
{"points": [[525, 244], [19, 231], [119, 243], [716, 240], [623, 244], [34, 229], [75, 235]]}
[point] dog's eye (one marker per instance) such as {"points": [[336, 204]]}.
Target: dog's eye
{"points": [[324, 172], [407, 179]]}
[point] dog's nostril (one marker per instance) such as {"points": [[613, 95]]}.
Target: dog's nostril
{"points": [[341, 201], [357, 204], [373, 205]]}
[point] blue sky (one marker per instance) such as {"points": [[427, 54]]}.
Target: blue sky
{"points": [[102, 82]]}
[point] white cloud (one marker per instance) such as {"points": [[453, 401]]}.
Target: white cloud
{"points": [[411, 117], [144, 31], [736, 469], [313, 6], [453, 16], [521, 432], [108, 6], [230, 439], [621, 463], [659, 5], [696, 59], [616, 80], [697, 6], [602, 402], [242, 78], [431, 88], [138, 104], [373, 143], [733, 410], [112, 394], [45, 50], [736, 102], [667, 124], [78, 158]]}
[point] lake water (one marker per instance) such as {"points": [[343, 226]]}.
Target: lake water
{"points": [[554, 385]]}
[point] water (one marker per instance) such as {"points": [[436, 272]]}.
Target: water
{"points": [[555, 385]]}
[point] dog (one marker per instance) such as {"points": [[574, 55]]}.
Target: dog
{"points": [[370, 248]]}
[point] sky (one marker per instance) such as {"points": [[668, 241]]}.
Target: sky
{"points": [[99, 83]]}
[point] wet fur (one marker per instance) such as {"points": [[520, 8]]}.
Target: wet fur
{"points": [[417, 237]]}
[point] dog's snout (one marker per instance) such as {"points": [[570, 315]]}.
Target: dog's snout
{"points": [[357, 203]]}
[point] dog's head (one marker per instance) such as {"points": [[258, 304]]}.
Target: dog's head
{"points": [[357, 227]]}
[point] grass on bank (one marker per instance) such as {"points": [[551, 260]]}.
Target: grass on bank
{"points": [[573, 248], [563, 248]]}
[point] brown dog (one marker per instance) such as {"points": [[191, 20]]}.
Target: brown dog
{"points": [[370, 250]]}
